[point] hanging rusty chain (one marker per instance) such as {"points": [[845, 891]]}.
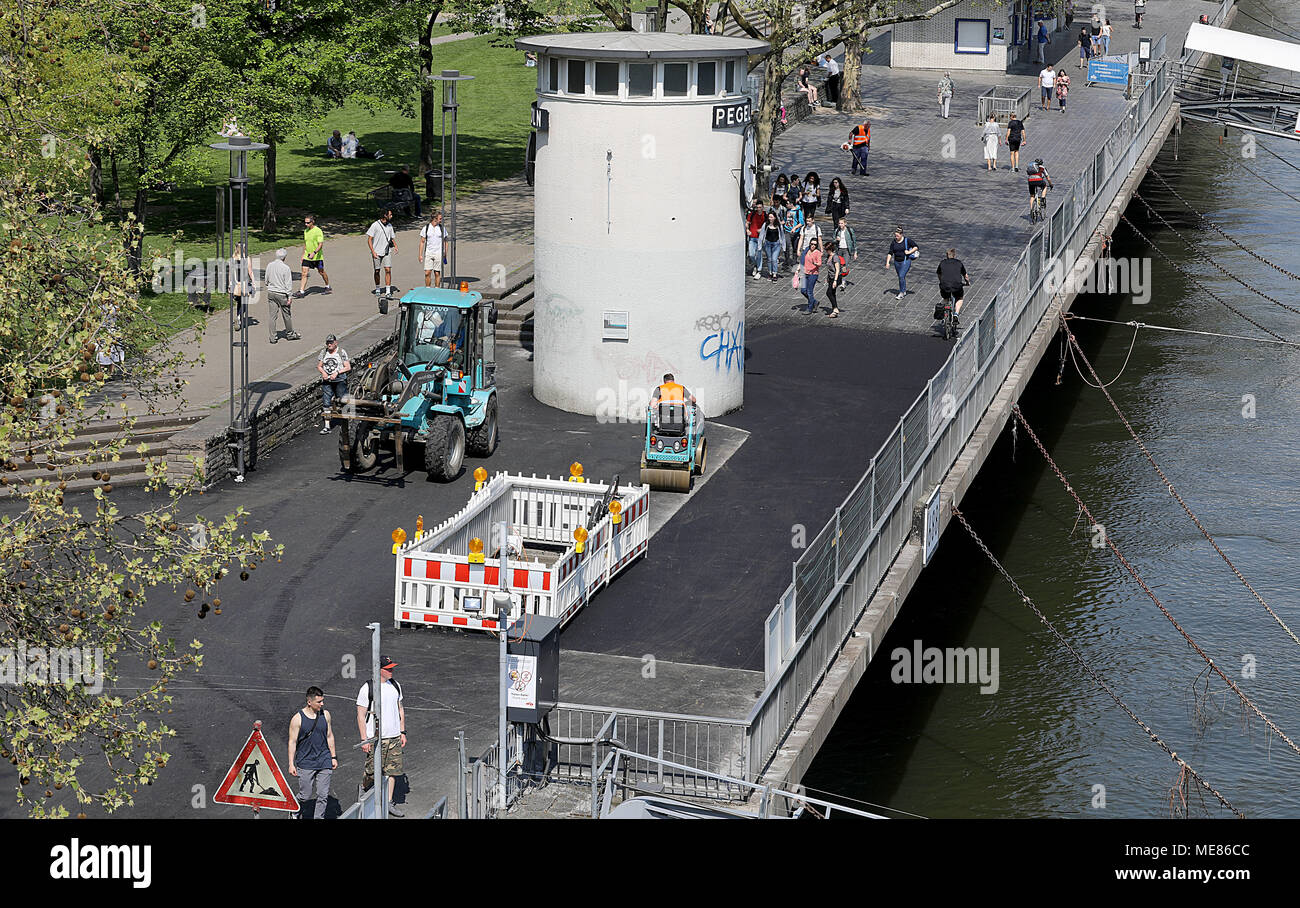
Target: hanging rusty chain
{"points": [[1179, 268], [1074, 343], [1101, 682], [1201, 253], [1223, 233], [1245, 700]]}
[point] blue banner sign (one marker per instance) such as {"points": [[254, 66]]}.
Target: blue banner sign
{"points": [[1109, 72]]}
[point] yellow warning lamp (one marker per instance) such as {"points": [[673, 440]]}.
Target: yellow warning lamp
{"points": [[464, 286], [616, 512], [419, 525], [476, 551], [575, 472], [480, 477], [399, 537], [579, 537]]}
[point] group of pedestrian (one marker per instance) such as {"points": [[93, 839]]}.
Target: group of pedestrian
{"points": [[804, 86], [1052, 81], [994, 137], [313, 754]]}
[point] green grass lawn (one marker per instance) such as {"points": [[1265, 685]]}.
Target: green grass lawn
{"points": [[493, 127]]}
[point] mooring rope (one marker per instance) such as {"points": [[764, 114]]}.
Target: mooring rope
{"points": [[1074, 344], [1245, 700], [1219, 230], [1208, 292], [1184, 768], [1202, 254], [1132, 324]]}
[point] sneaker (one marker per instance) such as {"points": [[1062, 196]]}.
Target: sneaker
{"points": [[902, 296], [275, 340], [293, 337], [299, 294], [375, 292], [329, 289], [394, 812], [755, 274], [956, 322], [325, 429]]}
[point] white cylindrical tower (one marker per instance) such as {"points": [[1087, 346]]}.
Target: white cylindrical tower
{"points": [[644, 151]]}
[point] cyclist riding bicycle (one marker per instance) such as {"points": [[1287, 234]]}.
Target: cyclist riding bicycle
{"points": [[1039, 181], [953, 281]]}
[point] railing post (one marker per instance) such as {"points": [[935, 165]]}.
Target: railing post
{"points": [[902, 467], [660, 754], [837, 545]]}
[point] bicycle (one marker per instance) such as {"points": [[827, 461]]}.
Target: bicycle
{"points": [[947, 329], [1038, 206]]}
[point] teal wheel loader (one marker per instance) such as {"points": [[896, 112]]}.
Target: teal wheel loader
{"points": [[437, 392]]}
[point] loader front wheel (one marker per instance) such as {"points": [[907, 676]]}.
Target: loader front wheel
{"points": [[444, 450]]}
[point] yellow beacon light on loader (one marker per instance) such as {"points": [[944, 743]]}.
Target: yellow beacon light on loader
{"points": [[476, 551], [480, 477], [616, 512], [579, 537], [399, 537], [575, 472]]}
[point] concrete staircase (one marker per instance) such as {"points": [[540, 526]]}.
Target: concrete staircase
{"points": [[515, 310], [151, 431]]}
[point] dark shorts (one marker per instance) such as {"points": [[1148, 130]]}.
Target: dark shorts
{"points": [[1047, 93], [1036, 188], [308, 264], [1013, 144], [950, 295]]}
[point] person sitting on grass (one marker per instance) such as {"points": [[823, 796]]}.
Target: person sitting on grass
{"points": [[334, 147], [350, 145]]}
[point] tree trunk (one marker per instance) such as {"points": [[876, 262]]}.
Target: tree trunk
{"points": [[96, 176], [135, 239], [769, 108], [428, 90], [270, 210], [851, 75], [663, 16]]}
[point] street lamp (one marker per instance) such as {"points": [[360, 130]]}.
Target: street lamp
{"points": [[450, 104], [238, 147]]}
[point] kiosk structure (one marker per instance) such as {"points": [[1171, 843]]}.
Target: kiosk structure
{"points": [[644, 160]]}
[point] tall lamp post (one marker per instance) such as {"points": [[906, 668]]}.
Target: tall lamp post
{"points": [[450, 105], [236, 215]]}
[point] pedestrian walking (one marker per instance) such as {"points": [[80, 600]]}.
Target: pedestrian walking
{"points": [[793, 234], [837, 201], [382, 240], [901, 255], [333, 365], [392, 718], [992, 136], [1062, 88], [1105, 37], [753, 227], [812, 264], [1047, 79], [279, 293], [945, 94], [1043, 40], [1085, 47], [812, 194], [835, 276], [860, 144], [312, 757], [812, 233], [845, 240], [243, 286], [779, 190], [832, 68], [313, 254], [773, 236], [433, 243], [1016, 136], [1139, 8]]}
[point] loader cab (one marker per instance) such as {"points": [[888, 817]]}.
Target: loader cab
{"points": [[452, 330]]}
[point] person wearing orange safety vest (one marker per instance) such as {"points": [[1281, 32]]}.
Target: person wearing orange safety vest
{"points": [[670, 392], [860, 144]]}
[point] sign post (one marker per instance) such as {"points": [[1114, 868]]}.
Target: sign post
{"points": [[270, 791]]}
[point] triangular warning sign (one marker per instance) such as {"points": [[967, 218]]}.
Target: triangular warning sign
{"points": [[260, 782]]}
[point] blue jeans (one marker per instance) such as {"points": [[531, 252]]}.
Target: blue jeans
{"points": [[809, 281], [332, 390], [755, 253], [860, 154], [1105, 44], [773, 252], [901, 268]]}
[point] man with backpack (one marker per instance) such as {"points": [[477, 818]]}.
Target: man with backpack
{"points": [[382, 240], [392, 718], [311, 751]]}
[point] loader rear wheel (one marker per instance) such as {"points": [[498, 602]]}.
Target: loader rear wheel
{"points": [[482, 440], [701, 457], [444, 450], [363, 446]]}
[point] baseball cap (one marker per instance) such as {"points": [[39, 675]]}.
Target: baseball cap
{"points": [[330, 338], [386, 663]]}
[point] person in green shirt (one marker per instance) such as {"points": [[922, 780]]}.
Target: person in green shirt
{"points": [[313, 255]]}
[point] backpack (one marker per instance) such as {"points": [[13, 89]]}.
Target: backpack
{"points": [[370, 707], [844, 267]]}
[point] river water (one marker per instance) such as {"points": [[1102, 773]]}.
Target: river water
{"points": [[1049, 741]]}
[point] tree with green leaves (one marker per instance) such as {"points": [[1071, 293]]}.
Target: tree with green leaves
{"points": [[76, 568]]}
